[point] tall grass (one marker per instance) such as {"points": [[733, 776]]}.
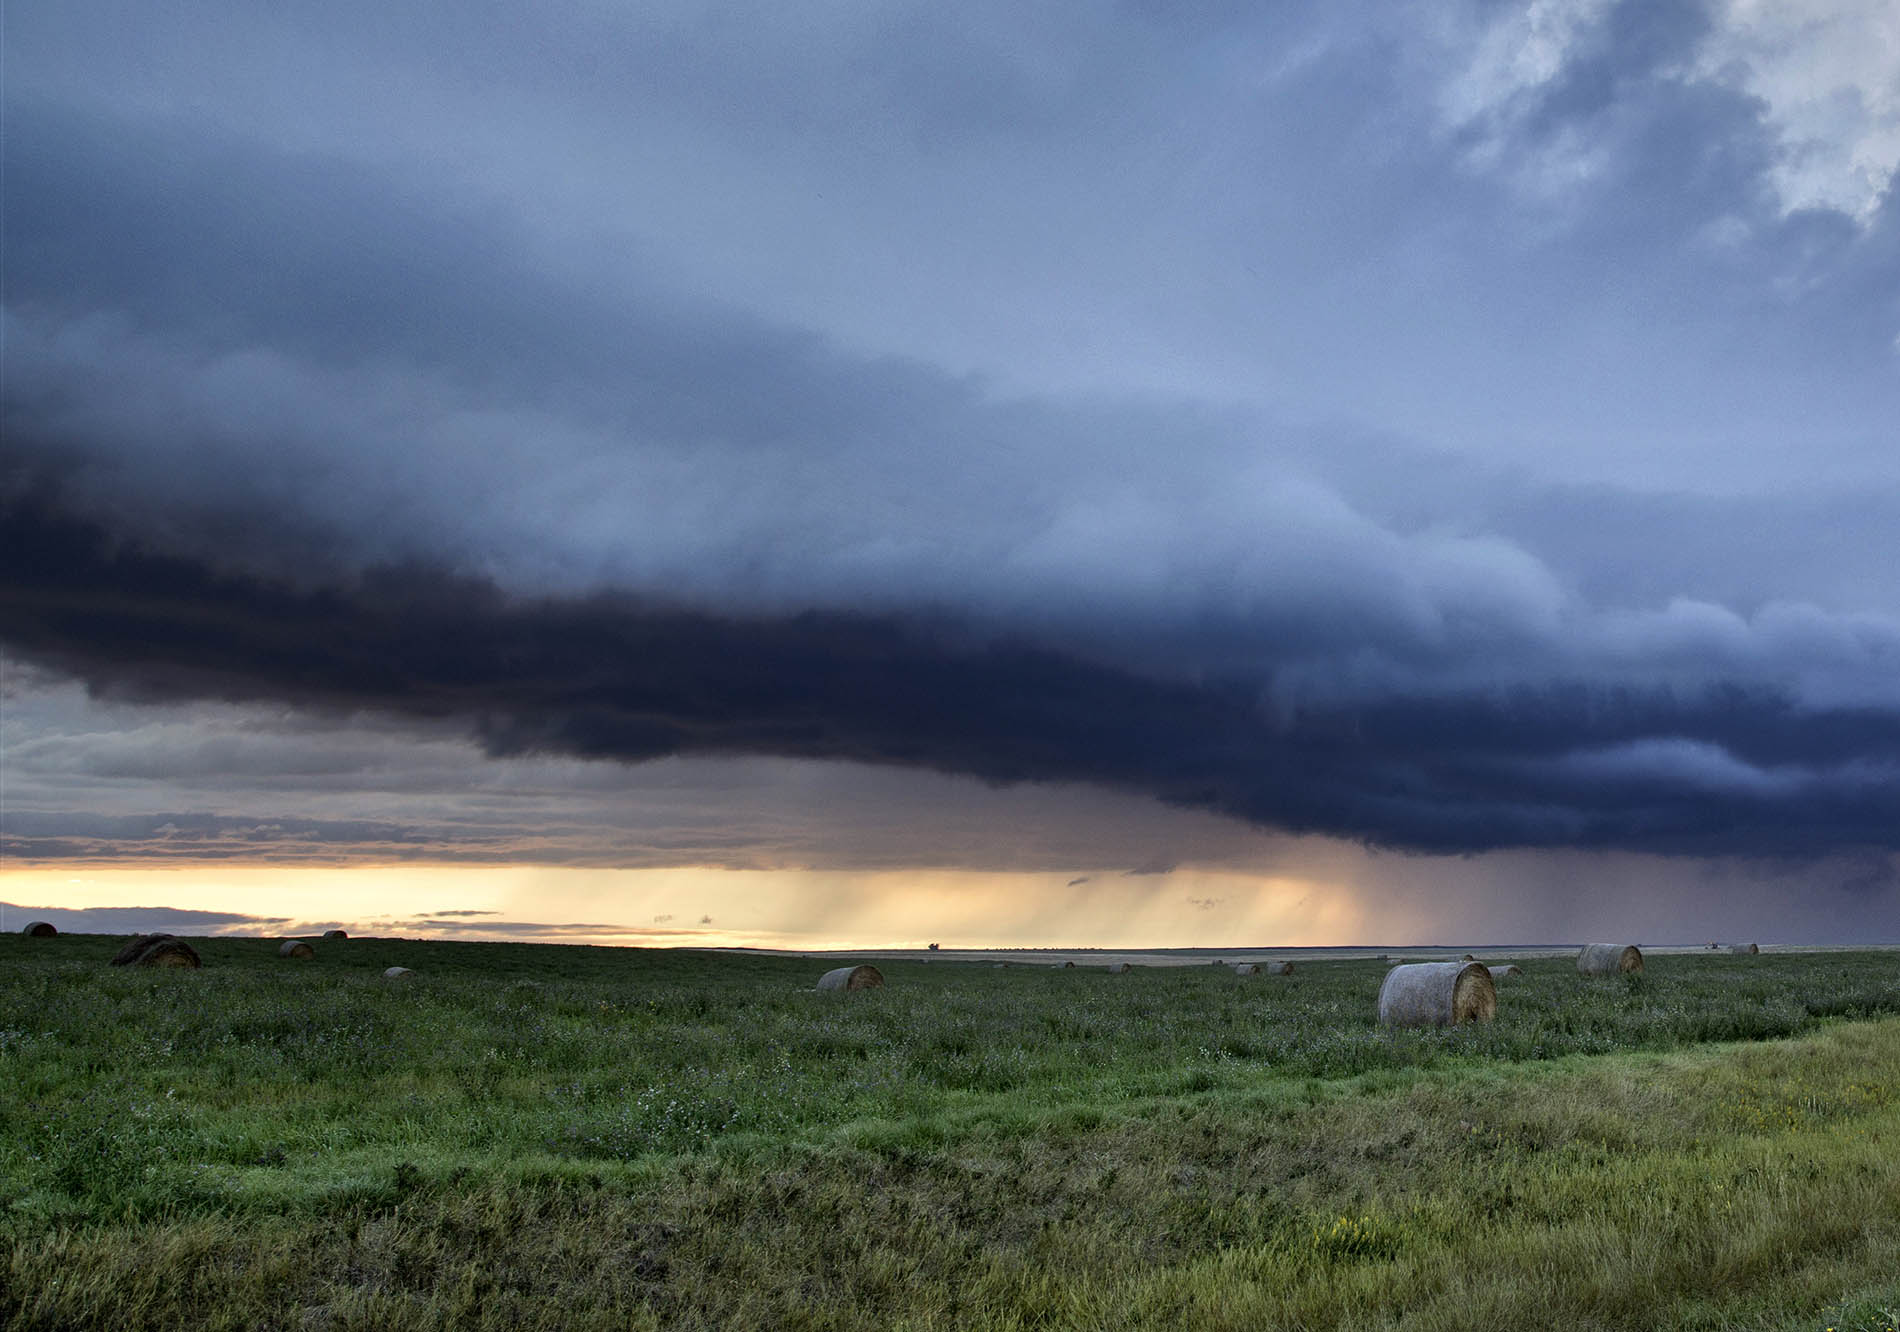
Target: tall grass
{"points": [[675, 1139]]}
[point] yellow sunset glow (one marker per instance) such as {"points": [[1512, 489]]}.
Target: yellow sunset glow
{"points": [[732, 908]]}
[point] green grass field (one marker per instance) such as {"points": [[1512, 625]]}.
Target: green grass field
{"points": [[539, 1136]]}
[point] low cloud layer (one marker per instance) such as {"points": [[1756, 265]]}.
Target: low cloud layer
{"points": [[1692, 766], [144, 920], [435, 924]]}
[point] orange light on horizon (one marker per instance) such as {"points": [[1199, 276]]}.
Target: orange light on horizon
{"points": [[713, 907]]}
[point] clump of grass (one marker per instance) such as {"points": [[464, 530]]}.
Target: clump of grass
{"points": [[1873, 1311], [1350, 1238]]}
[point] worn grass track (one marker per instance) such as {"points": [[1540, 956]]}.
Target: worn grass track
{"points": [[255, 1146]]}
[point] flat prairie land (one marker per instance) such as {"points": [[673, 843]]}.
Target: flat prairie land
{"points": [[541, 1136]]}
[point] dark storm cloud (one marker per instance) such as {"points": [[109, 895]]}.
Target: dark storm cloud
{"points": [[608, 678], [862, 386]]}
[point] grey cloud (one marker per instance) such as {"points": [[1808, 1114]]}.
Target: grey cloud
{"points": [[67, 784], [530, 930], [1275, 572], [1450, 770], [671, 445], [144, 920]]}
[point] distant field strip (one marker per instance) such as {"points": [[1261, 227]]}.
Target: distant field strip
{"points": [[542, 1137]]}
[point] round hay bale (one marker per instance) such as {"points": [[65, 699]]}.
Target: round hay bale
{"points": [[1279, 968], [335, 934], [1246, 969], [169, 952], [1469, 958], [1748, 950], [1437, 994], [1609, 959], [397, 973], [1119, 968], [296, 948], [852, 978], [156, 950], [1498, 973], [40, 929], [1070, 964]]}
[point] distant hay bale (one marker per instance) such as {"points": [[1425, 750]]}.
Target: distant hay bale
{"points": [[1748, 949], [852, 978], [40, 929], [335, 934], [296, 948], [1246, 969], [1279, 968], [1609, 959], [1503, 972], [156, 950], [1382, 958], [397, 973], [1119, 968], [1470, 958], [1437, 994], [1069, 963]]}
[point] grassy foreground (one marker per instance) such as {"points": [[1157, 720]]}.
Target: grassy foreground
{"points": [[536, 1136]]}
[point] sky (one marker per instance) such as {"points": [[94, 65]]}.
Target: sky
{"points": [[858, 474]]}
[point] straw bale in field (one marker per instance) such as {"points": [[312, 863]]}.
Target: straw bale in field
{"points": [[1279, 968], [396, 973], [156, 950], [1609, 959], [1749, 949], [852, 978], [1246, 969], [1119, 968], [40, 929], [1437, 994], [1470, 958], [296, 948], [335, 934], [1499, 973], [1069, 963]]}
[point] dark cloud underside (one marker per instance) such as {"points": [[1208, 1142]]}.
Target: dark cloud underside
{"points": [[610, 678]]}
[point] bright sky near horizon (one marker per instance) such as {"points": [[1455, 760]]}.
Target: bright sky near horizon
{"points": [[1310, 473]]}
